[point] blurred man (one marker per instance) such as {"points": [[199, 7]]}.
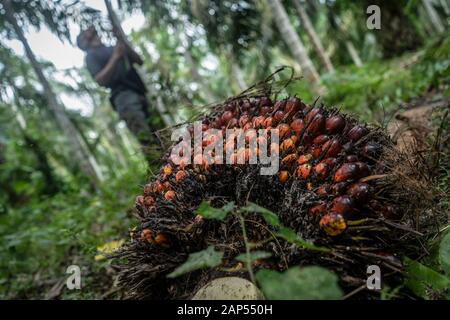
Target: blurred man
{"points": [[112, 67]]}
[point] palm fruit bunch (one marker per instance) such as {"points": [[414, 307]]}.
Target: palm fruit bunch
{"points": [[330, 189]]}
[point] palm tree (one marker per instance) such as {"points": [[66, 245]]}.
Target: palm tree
{"points": [[80, 153]]}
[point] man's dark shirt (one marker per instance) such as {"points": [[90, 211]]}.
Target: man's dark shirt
{"points": [[124, 75]]}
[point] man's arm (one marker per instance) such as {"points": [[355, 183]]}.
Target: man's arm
{"points": [[103, 77], [133, 55]]}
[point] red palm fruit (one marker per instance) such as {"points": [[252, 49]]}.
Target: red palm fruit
{"points": [[232, 123], [264, 110], [351, 158], [198, 219], [274, 148], [363, 169], [246, 106], [279, 105], [167, 186], [323, 191], [233, 158], [297, 125], [268, 122], [169, 195], [333, 224], [334, 124], [356, 133], [180, 175], [283, 176], [250, 136], [157, 187], [290, 158], [316, 151], [322, 170], [247, 126], [339, 188], [319, 140], [264, 101], [257, 121], [391, 213], [304, 158], [148, 189], [243, 120], [167, 170], [292, 103], [146, 235], [294, 139], [348, 171], [204, 127], [304, 170], [311, 114], [332, 148], [149, 201], [162, 239], [307, 139], [318, 209], [360, 192], [316, 125], [287, 145], [371, 150], [331, 162], [283, 130], [226, 117], [139, 200], [278, 116], [201, 161], [261, 140], [344, 205]]}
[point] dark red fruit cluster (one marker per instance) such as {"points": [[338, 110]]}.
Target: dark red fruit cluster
{"points": [[329, 152]]}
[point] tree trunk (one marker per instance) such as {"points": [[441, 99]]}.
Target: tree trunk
{"points": [[354, 55], [295, 44], [433, 16], [195, 75], [313, 37], [78, 150]]}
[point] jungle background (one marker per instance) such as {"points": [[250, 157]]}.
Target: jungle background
{"points": [[69, 175]]}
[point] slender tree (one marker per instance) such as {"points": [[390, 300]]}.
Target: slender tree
{"points": [[313, 37], [86, 161], [295, 44]]}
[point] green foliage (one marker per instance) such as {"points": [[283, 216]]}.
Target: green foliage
{"points": [[209, 212], [444, 253], [208, 258], [307, 283], [426, 282], [45, 235], [253, 256]]}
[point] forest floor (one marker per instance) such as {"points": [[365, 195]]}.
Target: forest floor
{"points": [[41, 237]]}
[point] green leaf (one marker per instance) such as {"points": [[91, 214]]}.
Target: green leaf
{"points": [[308, 283], [254, 255], [290, 236], [209, 212], [270, 217], [421, 279], [208, 258], [444, 253]]}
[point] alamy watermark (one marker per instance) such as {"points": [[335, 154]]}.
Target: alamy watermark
{"points": [[74, 280], [374, 20]]}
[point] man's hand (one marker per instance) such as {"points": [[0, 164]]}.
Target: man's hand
{"points": [[119, 50]]}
